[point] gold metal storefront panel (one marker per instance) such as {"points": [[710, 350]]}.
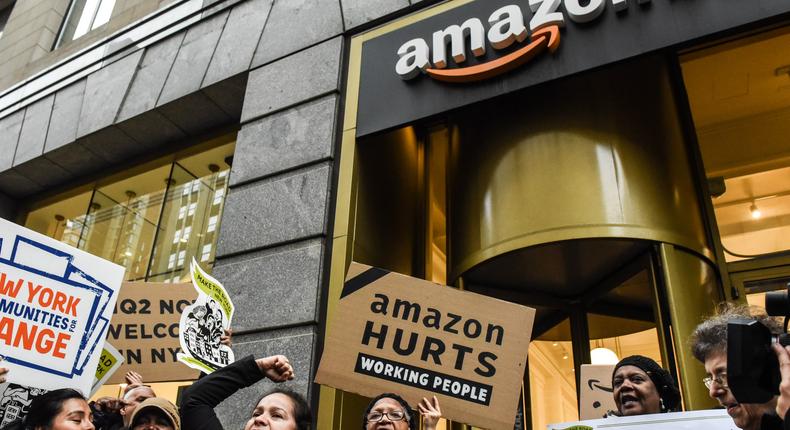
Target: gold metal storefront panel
{"points": [[595, 156]]}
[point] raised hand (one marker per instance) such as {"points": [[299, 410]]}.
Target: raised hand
{"points": [[783, 403], [277, 368], [133, 380], [431, 412]]}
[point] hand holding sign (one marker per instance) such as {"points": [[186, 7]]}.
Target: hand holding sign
{"points": [[277, 368], [3, 371], [203, 324]]}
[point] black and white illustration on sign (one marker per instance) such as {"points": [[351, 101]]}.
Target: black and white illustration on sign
{"points": [[202, 325], [15, 401]]}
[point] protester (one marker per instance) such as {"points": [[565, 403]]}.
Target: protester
{"points": [[709, 345], [114, 414], [63, 409], [156, 414], [280, 409], [640, 386], [390, 411]]}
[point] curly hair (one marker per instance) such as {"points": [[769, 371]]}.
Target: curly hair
{"points": [[710, 336]]}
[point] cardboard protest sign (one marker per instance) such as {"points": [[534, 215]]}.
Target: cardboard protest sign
{"points": [[202, 324], [144, 328], [15, 401], [110, 361], [396, 333], [595, 393], [712, 419], [55, 305]]}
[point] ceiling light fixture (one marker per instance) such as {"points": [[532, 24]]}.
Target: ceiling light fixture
{"points": [[603, 356], [755, 211]]}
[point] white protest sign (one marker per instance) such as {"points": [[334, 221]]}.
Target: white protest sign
{"points": [[203, 323], [713, 419], [110, 361], [595, 392], [55, 305]]}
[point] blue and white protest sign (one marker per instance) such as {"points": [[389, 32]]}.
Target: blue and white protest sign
{"points": [[55, 305]]}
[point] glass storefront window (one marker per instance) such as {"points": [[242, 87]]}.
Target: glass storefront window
{"points": [[552, 378], [739, 93], [754, 213], [151, 222]]}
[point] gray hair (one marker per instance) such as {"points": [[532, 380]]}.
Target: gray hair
{"points": [[710, 336]]}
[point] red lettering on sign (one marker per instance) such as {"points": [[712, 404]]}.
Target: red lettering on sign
{"points": [[43, 341], [55, 300], [8, 288]]}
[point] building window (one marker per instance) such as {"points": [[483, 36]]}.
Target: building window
{"points": [[84, 16], [5, 12], [153, 223], [738, 92]]}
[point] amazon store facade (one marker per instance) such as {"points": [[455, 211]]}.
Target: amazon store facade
{"points": [[621, 166]]}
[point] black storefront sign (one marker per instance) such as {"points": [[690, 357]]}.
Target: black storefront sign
{"points": [[387, 101]]}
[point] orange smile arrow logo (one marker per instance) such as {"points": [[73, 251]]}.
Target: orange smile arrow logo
{"points": [[547, 37]]}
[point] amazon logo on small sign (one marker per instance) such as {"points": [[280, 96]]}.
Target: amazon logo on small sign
{"points": [[506, 27]]}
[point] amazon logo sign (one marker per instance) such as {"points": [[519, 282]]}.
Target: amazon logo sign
{"points": [[507, 27]]}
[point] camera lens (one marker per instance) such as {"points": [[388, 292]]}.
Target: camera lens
{"points": [[777, 303]]}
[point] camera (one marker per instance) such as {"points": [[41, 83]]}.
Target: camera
{"points": [[752, 368]]}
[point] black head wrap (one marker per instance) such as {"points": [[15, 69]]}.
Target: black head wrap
{"points": [[665, 384], [410, 415]]}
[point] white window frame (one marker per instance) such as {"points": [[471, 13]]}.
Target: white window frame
{"points": [[94, 14]]}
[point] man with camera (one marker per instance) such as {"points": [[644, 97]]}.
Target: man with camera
{"points": [[709, 345]]}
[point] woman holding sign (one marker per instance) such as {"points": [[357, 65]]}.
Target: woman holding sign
{"points": [[389, 411]]}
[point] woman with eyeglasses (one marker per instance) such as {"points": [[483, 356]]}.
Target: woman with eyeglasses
{"points": [[389, 411], [640, 386]]}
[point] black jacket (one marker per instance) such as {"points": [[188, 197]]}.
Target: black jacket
{"points": [[199, 401], [773, 422]]}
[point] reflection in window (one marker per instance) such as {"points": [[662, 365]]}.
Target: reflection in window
{"points": [[84, 16], [152, 223]]}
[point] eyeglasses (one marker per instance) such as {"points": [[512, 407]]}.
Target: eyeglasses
{"points": [[720, 379], [391, 415]]}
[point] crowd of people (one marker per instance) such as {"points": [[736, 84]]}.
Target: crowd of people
{"points": [[639, 386]]}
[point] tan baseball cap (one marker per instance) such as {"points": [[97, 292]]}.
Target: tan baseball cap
{"points": [[170, 410]]}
